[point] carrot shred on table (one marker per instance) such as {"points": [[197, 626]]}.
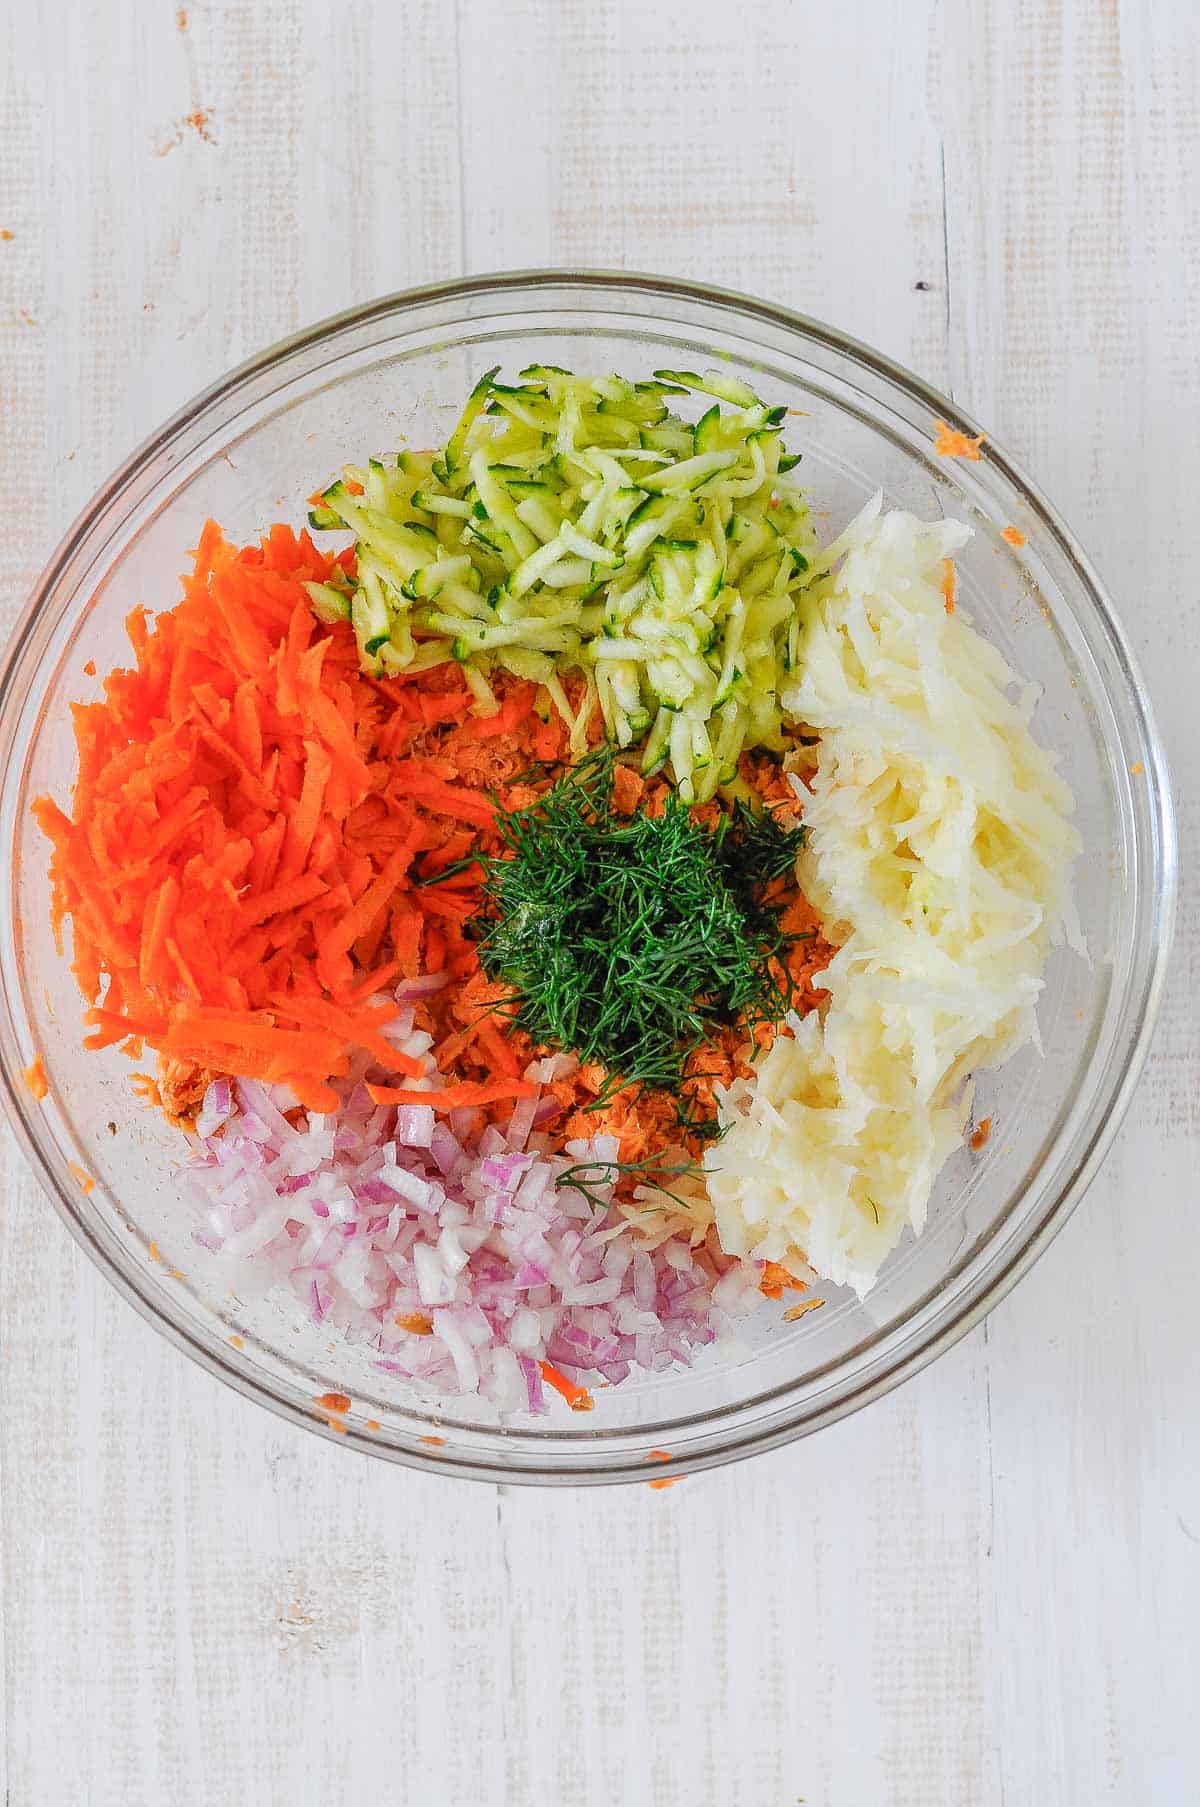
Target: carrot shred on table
{"points": [[1013, 535], [949, 584], [334, 1402], [659, 1455], [951, 443], [664, 1481], [578, 1398], [434, 1442], [86, 1182], [982, 1133], [36, 1083]]}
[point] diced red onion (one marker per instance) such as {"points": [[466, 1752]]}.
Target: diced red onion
{"points": [[415, 1125], [372, 1213], [427, 986]]}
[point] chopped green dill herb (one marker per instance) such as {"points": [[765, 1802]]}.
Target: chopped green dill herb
{"points": [[586, 1176], [631, 940]]}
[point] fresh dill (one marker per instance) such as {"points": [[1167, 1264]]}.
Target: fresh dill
{"points": [[586, 1176], [631, 940]]}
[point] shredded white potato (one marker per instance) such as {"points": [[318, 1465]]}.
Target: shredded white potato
{"points": [[939, 857]]}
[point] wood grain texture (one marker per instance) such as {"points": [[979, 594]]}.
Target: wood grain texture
{"points": [[984, 1589]]}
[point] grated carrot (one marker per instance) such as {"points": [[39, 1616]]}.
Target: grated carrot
{"points": [[333, 1402], [951, 443], [775, 1277], [1013, 535], [35, 1079], [949, 584], [578, 1398], [211, 864], [466, 1096], [86, 1182], [982, 1134]]}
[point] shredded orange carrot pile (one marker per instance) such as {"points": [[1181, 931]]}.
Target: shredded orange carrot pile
{"points": [[235, 854], [1013, 535], [950, 443], [254, 829]]}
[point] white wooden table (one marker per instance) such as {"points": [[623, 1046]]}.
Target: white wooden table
{"points": [[985, 1589]]}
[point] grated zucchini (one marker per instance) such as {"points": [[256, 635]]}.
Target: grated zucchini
{"points": [[576, 525]]}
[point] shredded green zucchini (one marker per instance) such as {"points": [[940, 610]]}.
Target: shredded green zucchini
{"points": [[578, 526]]}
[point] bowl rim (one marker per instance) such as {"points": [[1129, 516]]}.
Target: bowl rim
{"points": [[1144, 1000]]}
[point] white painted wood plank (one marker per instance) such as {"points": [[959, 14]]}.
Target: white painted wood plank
{"points": [[1073, 219], [201, 1605]]}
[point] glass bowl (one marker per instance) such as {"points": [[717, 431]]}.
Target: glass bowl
{"points": [[246, 452]]}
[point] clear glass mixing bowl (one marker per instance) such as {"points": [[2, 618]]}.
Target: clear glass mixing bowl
{"points": [[247, 452]]}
